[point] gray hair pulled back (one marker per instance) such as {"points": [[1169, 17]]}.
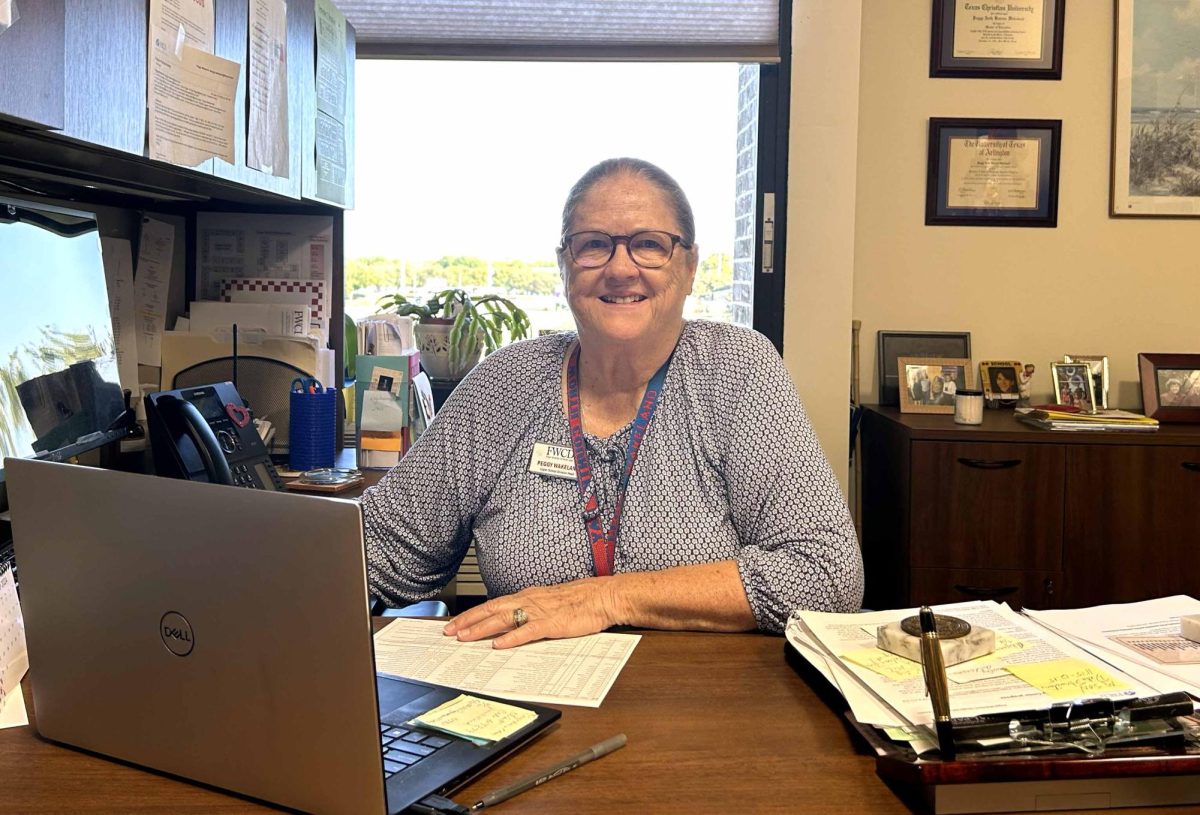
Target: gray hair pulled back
{"points": [[634, 166]]}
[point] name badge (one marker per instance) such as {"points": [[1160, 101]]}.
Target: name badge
{"points": [[556, 460]]}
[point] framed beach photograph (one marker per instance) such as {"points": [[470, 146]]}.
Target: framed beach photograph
{"points": [[891, 345], [997, 40], [1073, 385], [928, 384], [993, 172], [1156, 109], [1098, 366], [1000, 380], [1170, 386]]}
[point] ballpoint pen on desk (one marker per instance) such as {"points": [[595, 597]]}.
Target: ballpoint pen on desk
{"points": [[565, 766], [936, 683]]}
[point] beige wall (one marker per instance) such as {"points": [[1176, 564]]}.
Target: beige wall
{"points": [[1093, 285], [820, 220]]}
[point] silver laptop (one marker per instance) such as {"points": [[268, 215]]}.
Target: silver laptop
{"points": [[221, 634]]}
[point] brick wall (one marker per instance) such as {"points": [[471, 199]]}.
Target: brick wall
{"points": [[744, 195]]}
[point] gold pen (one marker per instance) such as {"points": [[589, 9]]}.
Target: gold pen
{"points": [[936, 683]]}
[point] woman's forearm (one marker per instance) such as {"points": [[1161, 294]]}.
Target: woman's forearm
{"points": [[701, 597]]}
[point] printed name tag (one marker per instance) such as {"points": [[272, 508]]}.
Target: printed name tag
{"points": [[555, 460]]}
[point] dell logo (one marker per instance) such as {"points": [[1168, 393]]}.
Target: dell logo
{"points": [[176, 633]]}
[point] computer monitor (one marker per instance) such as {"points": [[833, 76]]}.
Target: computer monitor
{"points": [[59, 390]]}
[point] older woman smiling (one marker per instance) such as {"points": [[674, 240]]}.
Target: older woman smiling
{"points": [[645, 471]]}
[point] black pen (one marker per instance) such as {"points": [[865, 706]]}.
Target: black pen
{"points": [[936, 682], [565, 766]]}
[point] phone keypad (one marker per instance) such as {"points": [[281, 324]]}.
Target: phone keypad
{"points": [[244, 477]]}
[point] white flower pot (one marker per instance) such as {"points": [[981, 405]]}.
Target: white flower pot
{"points": [[433, 341]]}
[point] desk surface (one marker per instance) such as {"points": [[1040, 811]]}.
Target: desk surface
{"points": [[716, 723]]}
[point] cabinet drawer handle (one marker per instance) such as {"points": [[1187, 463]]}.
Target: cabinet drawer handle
{"points": [[984, 591], [990, 464], [1194, 466]]}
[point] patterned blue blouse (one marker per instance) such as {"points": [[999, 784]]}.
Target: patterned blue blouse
{"points": [[730, 469]]}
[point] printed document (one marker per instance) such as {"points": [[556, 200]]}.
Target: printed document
{"points": [[151, 285], [576, 671], [267, 143], [232, 245], [118, 277]]}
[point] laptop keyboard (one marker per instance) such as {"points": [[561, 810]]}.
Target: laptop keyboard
{"points": [[403, 748]]}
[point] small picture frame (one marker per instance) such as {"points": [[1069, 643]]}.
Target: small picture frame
{"points": [[993, 172], [928, 384], [891, 345], [1170, 386], [997, 41], [1098, 365], [1000, 380], [1073, 385]]}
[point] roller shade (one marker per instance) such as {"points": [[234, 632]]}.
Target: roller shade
{"points": [[680, 30]]}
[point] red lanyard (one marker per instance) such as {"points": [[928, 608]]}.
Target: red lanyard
{"points": [[604, 543]]}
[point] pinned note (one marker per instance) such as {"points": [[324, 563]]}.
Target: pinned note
{"points": [[1063, 679], [480, 720], [884, 663]]}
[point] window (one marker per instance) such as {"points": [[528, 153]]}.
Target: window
{"points": [[463, 168]]}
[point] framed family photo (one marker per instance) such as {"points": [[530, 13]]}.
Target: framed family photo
{"points": [[891, 345], [993, 172], [997, 40], [1073, 385], [1098, 367], [1156, 109], [1170, 386], [928, 384]]}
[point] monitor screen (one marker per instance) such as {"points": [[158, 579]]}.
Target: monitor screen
{"points": [[58, 368]]}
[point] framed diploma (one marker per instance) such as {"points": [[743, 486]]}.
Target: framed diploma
{"points": [[993, 172], [997, 39]]}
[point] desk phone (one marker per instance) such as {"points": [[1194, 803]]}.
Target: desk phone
{"points": [[206, 433]]}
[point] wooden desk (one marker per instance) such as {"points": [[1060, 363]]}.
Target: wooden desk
{"points": [[716, 723]]}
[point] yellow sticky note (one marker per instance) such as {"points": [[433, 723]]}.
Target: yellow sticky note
{"points": [[1067, 678], [884, 663], [476, 718]]}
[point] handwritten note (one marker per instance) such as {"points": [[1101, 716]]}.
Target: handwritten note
{"points": [[884, 663], [476, 719], [1068, 678]]}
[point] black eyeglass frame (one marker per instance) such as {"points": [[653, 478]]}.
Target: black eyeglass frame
{"points": [[565, 246]]}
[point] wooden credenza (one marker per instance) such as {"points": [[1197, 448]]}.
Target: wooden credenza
{"points": [[1033, 517]]}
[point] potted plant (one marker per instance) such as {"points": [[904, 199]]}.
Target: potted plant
{"points": [[453, 328]]}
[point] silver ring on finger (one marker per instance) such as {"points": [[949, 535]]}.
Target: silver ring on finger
{"points": [[519, 617]]}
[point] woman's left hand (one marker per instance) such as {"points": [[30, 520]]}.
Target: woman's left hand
{"points": [[549, 612]]}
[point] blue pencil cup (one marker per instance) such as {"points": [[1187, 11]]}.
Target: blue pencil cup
{"points": [[312, 429]]}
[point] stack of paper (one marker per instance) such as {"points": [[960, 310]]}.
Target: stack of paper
{"points": [[1141, 637], [1101, 420], [1032, 668]]}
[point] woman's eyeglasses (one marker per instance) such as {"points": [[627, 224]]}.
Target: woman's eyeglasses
{"points": [[650, 249]]}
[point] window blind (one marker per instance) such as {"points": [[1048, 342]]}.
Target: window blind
{"points": [[678, 30]]}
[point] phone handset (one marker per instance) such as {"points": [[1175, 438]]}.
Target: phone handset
{"points": [[198, 430]]}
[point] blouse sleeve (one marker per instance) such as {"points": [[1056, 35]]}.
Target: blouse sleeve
{"points": [[799, 547], [417, 519]]}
